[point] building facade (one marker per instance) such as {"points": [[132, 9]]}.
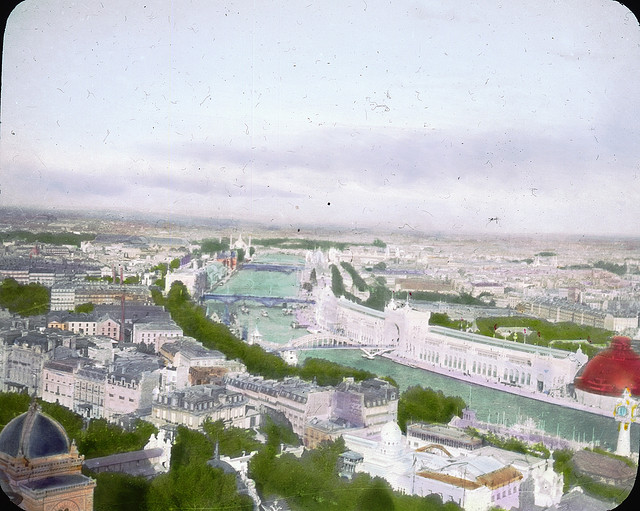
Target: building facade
{"points": [[192, 406]]}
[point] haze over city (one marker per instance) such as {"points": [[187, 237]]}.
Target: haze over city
{"points": [[481, 117]]}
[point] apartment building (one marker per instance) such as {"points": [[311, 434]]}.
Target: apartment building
{"points": [[297, 400], [194, 405]]}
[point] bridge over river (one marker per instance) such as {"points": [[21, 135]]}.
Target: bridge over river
{"points": [[268, 301], [283, 268], [327, 340]]}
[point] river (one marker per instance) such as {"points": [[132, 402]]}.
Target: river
{"points": [[274, 323]]}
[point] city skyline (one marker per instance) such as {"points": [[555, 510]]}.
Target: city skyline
{"points": [[485, 118]]}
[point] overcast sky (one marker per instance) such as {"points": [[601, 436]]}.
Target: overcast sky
{"points": [[427, 115]]}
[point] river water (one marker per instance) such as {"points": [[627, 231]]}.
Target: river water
{"points": [[275, 325]]}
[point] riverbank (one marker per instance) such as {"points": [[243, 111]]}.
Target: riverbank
{"points": [[503, 387]]}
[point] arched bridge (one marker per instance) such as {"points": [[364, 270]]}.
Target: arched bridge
{"points": [[268, 301], [327, 340]]}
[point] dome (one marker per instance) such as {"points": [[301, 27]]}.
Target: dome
{"points": [[611, 370], [390, 434], [33, 435]]}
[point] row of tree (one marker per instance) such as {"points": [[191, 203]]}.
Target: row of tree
{"points": [[358, 281], [379, 293], [194, 323]]}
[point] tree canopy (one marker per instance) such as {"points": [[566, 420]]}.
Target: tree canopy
{"points": [[427, 405], [25, 300]]}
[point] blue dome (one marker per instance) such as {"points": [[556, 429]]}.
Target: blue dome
{"points": [[33, 435]]}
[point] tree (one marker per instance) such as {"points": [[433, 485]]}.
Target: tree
{"points": [[377, 497], [162, 268], [174, 264], [337, 284], [26, 300], [232, 441], [379, 243], [313, 278], [84, 307], [240, 253], [212, 247], [120, 492], [420, 404]]}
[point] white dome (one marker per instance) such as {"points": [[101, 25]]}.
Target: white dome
{"points": [[390, 434]]}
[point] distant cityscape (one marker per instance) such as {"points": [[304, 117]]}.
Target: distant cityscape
{"points": [[109, 344]]}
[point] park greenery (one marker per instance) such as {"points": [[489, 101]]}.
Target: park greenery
{"points": [[379, 243], [555, 335], [24, 299], [191, 483], [443, 319], [50, 238], [563, 465], [120, 492], [311, 483], [194, 323], [418, 404]]}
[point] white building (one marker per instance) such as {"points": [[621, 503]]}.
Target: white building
{"points": [[474, 482], [484, 360]]}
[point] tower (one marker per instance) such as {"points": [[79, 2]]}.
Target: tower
{"points": [[625, 413]]}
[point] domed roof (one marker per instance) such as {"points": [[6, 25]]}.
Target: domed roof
{"points": [[390, 434], [33, 435], [611, 370]]}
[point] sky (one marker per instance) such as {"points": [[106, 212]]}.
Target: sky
{"points": [[481, 116]]}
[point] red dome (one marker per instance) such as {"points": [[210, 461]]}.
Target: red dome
{"points": [[612, 370]]}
